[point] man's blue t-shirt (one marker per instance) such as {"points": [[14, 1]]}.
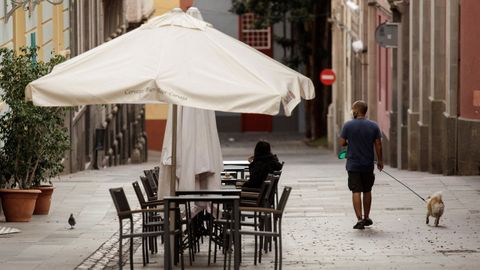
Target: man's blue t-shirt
{"points": [[360, 134]]}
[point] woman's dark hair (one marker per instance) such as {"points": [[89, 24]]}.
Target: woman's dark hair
{"points": [[262, 149]]}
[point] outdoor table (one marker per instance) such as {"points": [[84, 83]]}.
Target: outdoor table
{"points": [[236, 166], [234, 200], [243, 163], [223, 192], [231, 181], [239, 171]]}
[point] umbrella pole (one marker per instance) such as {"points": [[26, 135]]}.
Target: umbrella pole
{"points": [[173, 168], [173, 180]]}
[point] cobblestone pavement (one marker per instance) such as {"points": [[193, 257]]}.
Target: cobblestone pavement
{"points": [[106, 256], [317, 228]]}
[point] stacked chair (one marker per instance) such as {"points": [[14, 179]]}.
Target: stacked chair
{"points": [[152, 221], [261, 210], [275, 232], [150, 218]]}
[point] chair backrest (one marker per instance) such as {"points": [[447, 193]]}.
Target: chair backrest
{"points": [[275, 194], [151, 179], [121, 203], [263, 192], [156, 172], [268, 193], [281, 168], [148, 189], [139, 193], [283, 200], [273, 178]]}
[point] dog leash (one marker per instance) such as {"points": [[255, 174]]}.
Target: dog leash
{"points": [[404, 185]]}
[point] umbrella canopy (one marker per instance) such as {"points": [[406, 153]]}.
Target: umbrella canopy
{"points": [[177, 59], [198, 157]]}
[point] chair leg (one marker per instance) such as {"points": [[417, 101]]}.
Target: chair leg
{"points": [[156, 245], [190, 235], [120, 264], [276, 253], [191, 240], [182, 262], [131, 253], [230, 251], [280, 243], [225, 247], [256, 238], [262, 238], [268, 226], [152, 248], [215, 246], [275, 239], [143, 252], [210, 232]]}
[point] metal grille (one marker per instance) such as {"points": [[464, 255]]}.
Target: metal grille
{"points": [[260, 39]]}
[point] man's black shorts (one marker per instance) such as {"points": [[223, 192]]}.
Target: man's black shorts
{"points": [[361, 181]]}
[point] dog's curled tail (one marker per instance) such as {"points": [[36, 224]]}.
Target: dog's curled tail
{"points": [[437, 194]]}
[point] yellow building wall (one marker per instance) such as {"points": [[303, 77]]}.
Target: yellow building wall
{"points": [[48, 24], [162, 6]]}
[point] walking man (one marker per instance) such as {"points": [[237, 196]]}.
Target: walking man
{"points": [[362, 136]]}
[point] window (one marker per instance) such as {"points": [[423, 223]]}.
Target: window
{"points": [[260, 39]]}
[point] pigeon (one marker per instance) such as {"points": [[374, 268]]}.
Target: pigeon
{"points": [[71, 221]]}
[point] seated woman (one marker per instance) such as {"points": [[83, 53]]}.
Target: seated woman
{"points": [[262, 163]]}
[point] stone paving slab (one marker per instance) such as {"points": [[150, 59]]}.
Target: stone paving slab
{"points": [[317, 227]]}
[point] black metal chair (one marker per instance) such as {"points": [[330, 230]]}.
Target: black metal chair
{"points": [[276, 232], [152, 178], [251, 199], [150, 218], [156, 172], [124, 212], [149, 190]]}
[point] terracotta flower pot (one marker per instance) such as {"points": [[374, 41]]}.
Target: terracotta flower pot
{"points": [[42, 207], [18, 204]]}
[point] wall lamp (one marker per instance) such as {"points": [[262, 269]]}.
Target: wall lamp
{"points": [[358, 46], [352, 5], [11, 5]]}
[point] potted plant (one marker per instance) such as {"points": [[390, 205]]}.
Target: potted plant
{"points": [[34, 138]]}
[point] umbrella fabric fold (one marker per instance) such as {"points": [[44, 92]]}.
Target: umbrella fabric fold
{"points": [[199, 160]]}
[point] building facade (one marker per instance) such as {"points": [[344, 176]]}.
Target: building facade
{"points": [[100, 136], [424, 91]]}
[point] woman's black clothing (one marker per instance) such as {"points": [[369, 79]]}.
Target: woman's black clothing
{"points": [[260, 168]]}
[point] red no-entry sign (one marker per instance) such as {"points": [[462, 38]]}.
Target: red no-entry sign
{"points": [[327, 77]]}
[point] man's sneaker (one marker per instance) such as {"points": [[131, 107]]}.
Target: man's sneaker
{"points": [[367, 222], [359, 225]]}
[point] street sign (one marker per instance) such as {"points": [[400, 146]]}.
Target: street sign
{"points": [[386, 35], [327, 77]]}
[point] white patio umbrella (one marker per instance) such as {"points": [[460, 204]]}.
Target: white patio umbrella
{"points": [[176, 59], [199, 155]]}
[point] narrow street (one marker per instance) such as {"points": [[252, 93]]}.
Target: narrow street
{"points": [[317, 228]]}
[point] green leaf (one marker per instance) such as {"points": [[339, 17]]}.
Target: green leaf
{"points": [[34, 138]]}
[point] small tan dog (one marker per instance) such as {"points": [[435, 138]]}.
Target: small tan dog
{"points": [[435, 206]]}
